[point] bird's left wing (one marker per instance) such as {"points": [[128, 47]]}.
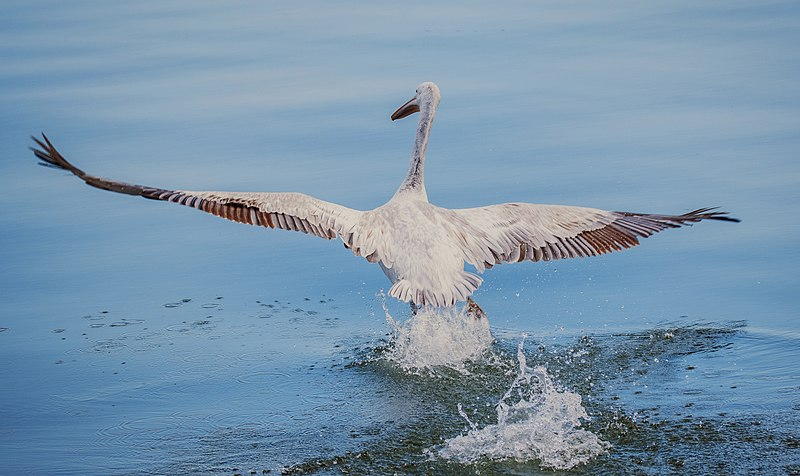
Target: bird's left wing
{"points": [[513, 232], [287, 211]]}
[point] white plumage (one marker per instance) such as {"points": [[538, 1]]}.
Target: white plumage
{"points": [[422, 248]]}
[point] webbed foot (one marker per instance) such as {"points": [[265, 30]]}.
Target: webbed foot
{"points": [[474, 310]]}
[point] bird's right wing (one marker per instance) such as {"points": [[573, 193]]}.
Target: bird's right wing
{"points": [[287, 211]]}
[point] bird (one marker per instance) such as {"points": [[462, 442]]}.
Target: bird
{"points": [[422, 248]]}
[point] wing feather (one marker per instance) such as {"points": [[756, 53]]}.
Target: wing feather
{"points": [[286, 211], [514, 232]]}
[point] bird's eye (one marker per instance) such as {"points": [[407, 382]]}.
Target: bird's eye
{"points": [[416, 91]]}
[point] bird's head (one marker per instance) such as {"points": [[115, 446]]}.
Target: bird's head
{"points": [[427, 97]]}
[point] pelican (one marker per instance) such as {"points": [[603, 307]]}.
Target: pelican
{"points": [[420, 247]]}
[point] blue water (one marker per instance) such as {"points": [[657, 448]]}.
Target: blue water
{"points": [[657, 107]]}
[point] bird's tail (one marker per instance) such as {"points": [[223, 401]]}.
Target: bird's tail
{"points": [[459, 290]]}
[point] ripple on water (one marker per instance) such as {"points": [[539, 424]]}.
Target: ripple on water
{"points": [[204, 358], [262, 418], [108, 345], [94, 318], [205, 324], [126, 322], [270, 377], [177, 304], [134, 436], [259, 356]]}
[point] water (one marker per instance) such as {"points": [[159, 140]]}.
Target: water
{"points": [[435, 338], [535, 420], [143, 338]]}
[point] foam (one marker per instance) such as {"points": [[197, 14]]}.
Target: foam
{"points": [[535, 421], [432, 338]]}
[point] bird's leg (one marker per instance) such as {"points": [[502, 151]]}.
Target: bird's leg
{"points": [[474, 309], [414, 309]]}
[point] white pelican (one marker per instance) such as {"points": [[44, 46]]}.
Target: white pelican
{"points": [[422, 248]]}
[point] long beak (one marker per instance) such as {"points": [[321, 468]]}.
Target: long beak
{"points": [[406, 109]]}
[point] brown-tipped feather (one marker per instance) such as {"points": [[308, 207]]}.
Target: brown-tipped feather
{"points": [[518, 231], [620, 234], [230, 209]]}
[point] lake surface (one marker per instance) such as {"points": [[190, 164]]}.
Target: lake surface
{"points": [[138, 337]]}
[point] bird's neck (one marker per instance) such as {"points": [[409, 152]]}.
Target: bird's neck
{"points": [[414, 183]]}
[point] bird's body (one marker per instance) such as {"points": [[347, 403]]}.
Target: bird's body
{"points": [[422, 248], [434, 272]]}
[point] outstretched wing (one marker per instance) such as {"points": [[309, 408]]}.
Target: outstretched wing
{"points": [[287, 211], [514, 232]]}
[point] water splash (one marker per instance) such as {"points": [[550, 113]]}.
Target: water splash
{"points": [[535, 420], [437, 338]]}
